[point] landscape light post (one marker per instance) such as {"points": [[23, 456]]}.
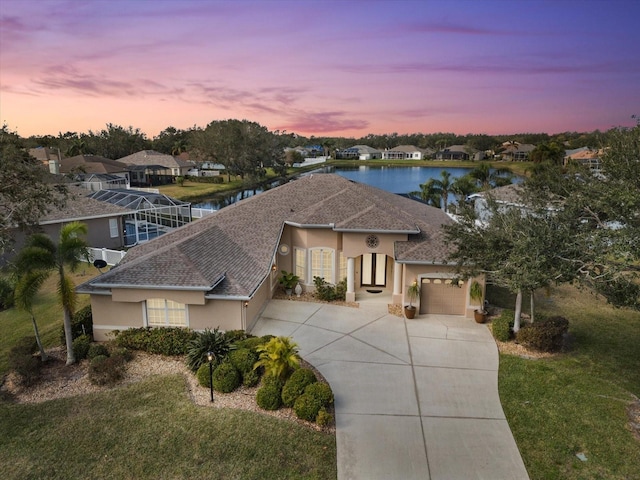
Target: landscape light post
{"points": [[211, 357]]}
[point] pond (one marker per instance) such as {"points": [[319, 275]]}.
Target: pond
{"points": [[392, 179]]}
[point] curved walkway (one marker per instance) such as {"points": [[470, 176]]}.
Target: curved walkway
{"points": [[414, 399]]}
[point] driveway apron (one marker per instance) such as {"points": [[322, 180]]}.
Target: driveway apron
{"points": [[414, 399]]}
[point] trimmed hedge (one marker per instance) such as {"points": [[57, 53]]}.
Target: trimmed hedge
{"points": [[226, 378], [322, 391], [96, 349], [81, 324], [307, 407], [544, 336], [503, 325], [243, 359], [161, 340], [23, 363], [105, 370], [251, 379], [295, 385], [81, 346], [204, 375], [324, 418], [269, 396]]}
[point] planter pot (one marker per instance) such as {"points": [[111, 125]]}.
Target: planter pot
{"points": [[288, 291], [480, 316], [410, 312]]}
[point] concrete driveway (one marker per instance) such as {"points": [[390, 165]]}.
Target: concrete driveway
{"points": [[414, 399]]}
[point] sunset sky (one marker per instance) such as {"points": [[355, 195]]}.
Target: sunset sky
{"points": [[323, 68]]}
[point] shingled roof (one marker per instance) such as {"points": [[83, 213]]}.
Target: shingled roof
{"points": [[230, 252]]}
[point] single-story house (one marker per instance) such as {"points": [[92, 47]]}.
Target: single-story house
{"points": [[456, 152], [359, 152], [517, 152], [222, 270], [149, 167], [584, 156], [105, 222], [403, 152]]}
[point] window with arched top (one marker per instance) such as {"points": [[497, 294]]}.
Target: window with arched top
{"points": [[166, 313]]}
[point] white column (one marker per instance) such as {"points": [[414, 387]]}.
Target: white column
{"points": [[398, 270], [351, 279]]}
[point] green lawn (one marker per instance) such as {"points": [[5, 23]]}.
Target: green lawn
{"points": [[152, 430], [577, 402], [15, 324]]}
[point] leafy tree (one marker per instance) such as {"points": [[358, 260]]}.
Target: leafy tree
{"points": [[26, 190], [244, 148], [548, 152], [602, 210], [41, 254], [522, 252]]}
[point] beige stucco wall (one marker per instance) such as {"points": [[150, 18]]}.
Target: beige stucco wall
{"points": [[109, 315], [139, 295]]}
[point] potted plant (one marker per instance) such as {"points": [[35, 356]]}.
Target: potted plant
{"points": [[476, 294], [288, 281], [412, 295]]}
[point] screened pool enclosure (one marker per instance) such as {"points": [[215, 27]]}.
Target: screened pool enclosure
{"points": [[153, 214]]}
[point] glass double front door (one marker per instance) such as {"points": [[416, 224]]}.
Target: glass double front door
{"points": [[374, 270]]}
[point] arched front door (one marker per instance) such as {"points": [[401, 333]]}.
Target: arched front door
{"points": [[374, 270]]}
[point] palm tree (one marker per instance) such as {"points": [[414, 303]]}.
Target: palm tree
{"points": [[487, 177], [41, 254], [462, 187], [436, 191], [26, 290]]}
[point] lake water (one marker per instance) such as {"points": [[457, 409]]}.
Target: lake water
{"points": [[391, 179]]}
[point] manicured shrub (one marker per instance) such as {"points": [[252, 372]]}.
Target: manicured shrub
{"points": [[123, 352], [105, 370], [324, 418], [251, 378], [23, 363], [252, 343], [544, 336], [269, 396], [295, 385], [81, 324], [204, 375], [162, 340], [208, 341], [502, 326], [307, 407], [243, 359], [322, 391], [328, 292], [81, 346], [236, 335], [278, 357], [226, 378], [96, 349]]}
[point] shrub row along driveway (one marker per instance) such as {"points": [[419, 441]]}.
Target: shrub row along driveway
{"points": [[414, 399]]}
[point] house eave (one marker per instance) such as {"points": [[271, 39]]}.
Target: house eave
{"points": [[150, 287], [426, 262], [365, 230]]}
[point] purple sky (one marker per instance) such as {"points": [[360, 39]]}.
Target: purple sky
{"points": [[324, 68]]}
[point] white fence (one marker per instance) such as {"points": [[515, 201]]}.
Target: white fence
{"points": [[201, 212], [112, 257]]}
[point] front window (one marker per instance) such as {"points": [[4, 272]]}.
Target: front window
{"points": [[322, 264], [343, 267], [301, 264], [166, 313]]}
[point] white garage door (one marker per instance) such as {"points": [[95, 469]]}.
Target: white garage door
{"points": [[440, 295]]}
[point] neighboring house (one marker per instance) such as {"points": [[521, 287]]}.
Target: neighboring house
{"points": [[149, 167], [359, 152], [403, 152], [222, 270], [456, 152], [584, 156], [101, 172], [506, 197], [517, 152], [105, 223]]}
